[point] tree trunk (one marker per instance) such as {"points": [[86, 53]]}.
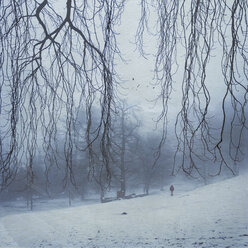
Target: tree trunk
{"points": [[123, 147], [102, 194], [69, 196]]}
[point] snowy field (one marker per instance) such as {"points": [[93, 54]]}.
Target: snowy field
{"points": [[211, 216]]}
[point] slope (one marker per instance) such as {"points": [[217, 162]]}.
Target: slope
{"points": [[212, 216]]}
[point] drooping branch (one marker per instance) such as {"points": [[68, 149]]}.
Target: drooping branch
{"points": [[199, 28], [53, 62]]}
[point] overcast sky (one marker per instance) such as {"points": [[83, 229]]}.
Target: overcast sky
{"points": [[137, 72]]}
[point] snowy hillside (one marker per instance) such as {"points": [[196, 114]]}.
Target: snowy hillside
{"points": [[212, 216]]}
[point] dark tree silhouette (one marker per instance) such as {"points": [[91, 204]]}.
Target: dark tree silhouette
{"points": [[199, 27], [56, 58]]}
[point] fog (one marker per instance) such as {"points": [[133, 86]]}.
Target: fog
{"points": [[58, 143]]}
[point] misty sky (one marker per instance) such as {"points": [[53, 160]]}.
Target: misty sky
{"points": [[138, 75]]}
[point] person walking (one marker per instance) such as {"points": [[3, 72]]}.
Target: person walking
{"points": [[171, 189]]}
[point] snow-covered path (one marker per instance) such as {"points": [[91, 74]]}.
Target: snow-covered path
{"points": [[212, 216]]}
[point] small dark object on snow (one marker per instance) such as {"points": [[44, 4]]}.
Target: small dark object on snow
{"points": [[120, 194], [243, 235], [171, 189], [123, 213], [130, 196]]}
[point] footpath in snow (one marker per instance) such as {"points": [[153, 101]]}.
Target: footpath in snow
{"points": [[212, 216]]}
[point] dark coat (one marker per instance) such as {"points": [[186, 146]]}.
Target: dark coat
{"points": [[171, 188]]}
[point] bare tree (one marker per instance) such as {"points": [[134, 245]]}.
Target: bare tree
{"points": [[53, 60], [124, 134], [198, 27]]}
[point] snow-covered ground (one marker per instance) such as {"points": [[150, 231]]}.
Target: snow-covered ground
{"points": [[212, 216]]}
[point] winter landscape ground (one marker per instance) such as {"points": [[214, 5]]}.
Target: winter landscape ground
{"points": [[215, 215]]}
